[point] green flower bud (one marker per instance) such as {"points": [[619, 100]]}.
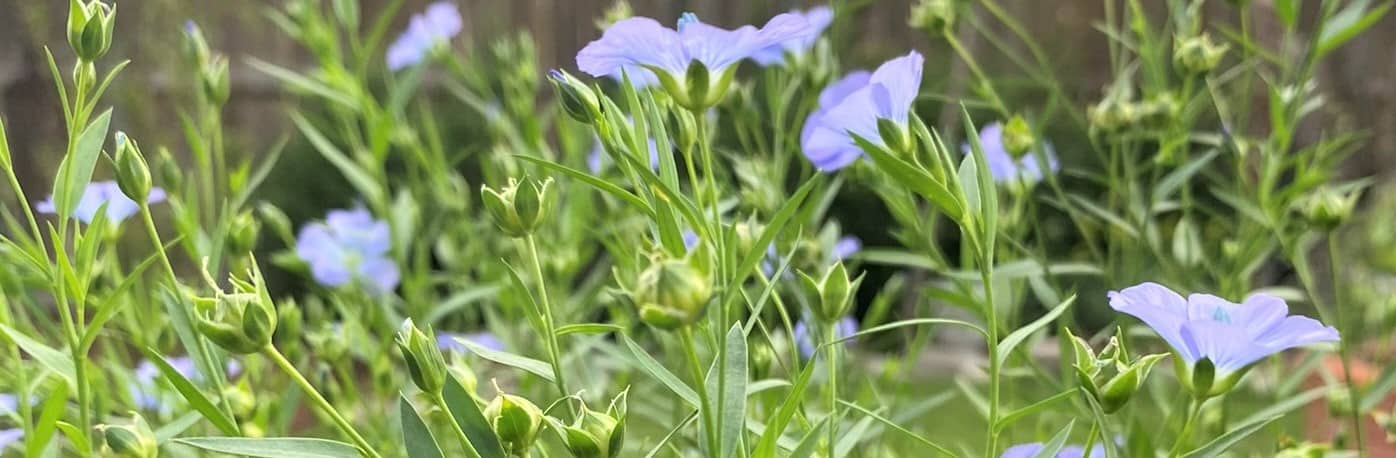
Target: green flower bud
{"points": [[747, 233], [90, 26], [618, 11], [595, 434], [242, 400], [1157, 113], [578, 99], [242, 321], [1017, 137], [1203, 380], [213, 80], [424, 360], [895, 136], [288, 321], [933, 16], [130, 441], [276, 220], [834, 291], [1111, 115], [1197, 55], [195, 48], [169, 171], [518, 207], [671, 293], [242, 233], [1327, 208], [515, 420], [1339, 402], [1119, 390], [132, 173]]}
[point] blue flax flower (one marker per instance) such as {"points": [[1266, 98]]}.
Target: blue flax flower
{"points": [[98, 193], [450, 341], [1002, 165], [426, 31], [818, 18], [1070, 451], [849, 108], [1231, 336], [845, 327], [10, 436], [846, 246], [350, 245], [147, 394], [640, 42]]}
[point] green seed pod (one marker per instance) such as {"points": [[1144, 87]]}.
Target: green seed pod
{"points": [[671, 293], [518, 207], [834, 291], [1197, 55], [1327, 208], [242, 233], [424, 360], [130, 441], [515, 420], [213, 80], [933, 16], [1119, 390], [1017, 137], [132, 173]]}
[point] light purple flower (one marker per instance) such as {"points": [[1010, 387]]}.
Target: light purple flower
{"points": [[640, 42], [147, 394], [1070, 451], [1002, 165], [846, 326], [846, 246], [827, 138], [426, 31], [818, 18], [349, 245], [450, 341], [98, 193], [1230, 335], [8, 403], [10, 436]]}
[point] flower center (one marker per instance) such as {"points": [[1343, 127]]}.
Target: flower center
{"points": [[1220, 314]]}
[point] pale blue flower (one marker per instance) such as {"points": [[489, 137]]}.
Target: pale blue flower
{"points": [[450, 341], [846, 246], [1232, 336], [1070, 451], [350, 245], [641, 42], [432, 28], [827, 139], [1002, 165], [98, 193], [147, 394], [818, 18], [846, 326], [10, 436]]}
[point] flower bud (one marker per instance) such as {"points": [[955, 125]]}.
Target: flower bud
{"points": [[1017, 137], [578, 99], [517, 208], [596, 434], [515, 420], [1327, 208], [195, 48], [242, 233], [619, 10], [242, 321], [130, 441], [213, 80], [1197, 55], [1120, 389], [90, 26], [895, 136], [241, 400], [132, 173], [329, 343], [424, 360], [834, 292], [168, 170], [1156, 113], [671, 293], [1111, 115], [933, 16]]}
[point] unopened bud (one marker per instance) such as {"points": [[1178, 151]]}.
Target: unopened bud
{"points": [[933, 16], [424, 361], [90, 25], [834, 292], [517, 208], [515, 420], [135, 440], [671, 293], [132, 173], [578, 99], [1017, 137], [1197, 55], [1328, 208], [213, 80], [894, 135]]}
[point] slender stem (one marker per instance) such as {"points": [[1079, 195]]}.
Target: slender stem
{"points": [[1345, 348], [985, 83], [986, 274], [325, 407], [440, 402], [696, 371], [1195, 408], [831, 335], [549, 321]]}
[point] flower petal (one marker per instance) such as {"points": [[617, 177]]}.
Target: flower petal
{"points": [[633, 41], [1158, 307]]}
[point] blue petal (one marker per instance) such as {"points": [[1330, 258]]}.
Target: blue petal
{"points": [[847, 246], [718, 48], [1158, 307], [1022, 450], [902, 79], [1224, 343], [835, 92], [632, 42], [818, 18], [10, 436], [381, 273]]}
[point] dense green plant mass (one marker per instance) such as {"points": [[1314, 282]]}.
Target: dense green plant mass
{"points": [[648, 259]]}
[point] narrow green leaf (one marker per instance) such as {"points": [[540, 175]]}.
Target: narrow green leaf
{"points": [[1054, 446], [192, 394], [1288, 12], [76, 170], [587, 328], [1016, 337], [78, 437], [525, 363], [810, 442], [467, 414], [416, 437], [1016, 415], [778, 423], [177, 426], [1348, 24], [648, 364], [276, 447], [49, 415], [1230, 438], [1177, 178], [55, 360], [898, 428], [362, 181], [732, 405], [905, 323], [298, 82], [595, 182]]}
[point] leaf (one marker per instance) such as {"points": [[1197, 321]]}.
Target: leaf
{"points": [[1288, 404], [177, 426], [459, 300], [467, 414], [1007, 345], [80, 440], [1054, 446], [648, 364], [777, 423], [905, 323], [55, 360], [1102, 422], [1104, 215], [367, 186], [278, 447], [595, 182], [732, 401], [75, 172], [773, 227], [898, 258], [1177, 178], [810, 442], [1016, 415], [191, 393], [1288, 12], [525, 363], [1348, 24], [587, 328], [416, 437], [299, 82], [898, 428], [1231, 438], [181, 319], [1380, 389], [914, 178], [988, 198], [48, 421]]}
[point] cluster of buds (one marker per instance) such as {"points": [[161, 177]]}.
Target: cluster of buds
{"points": [[243, 321], [425, 363], [1197, 55], [90, 26], [671, 293], [211, 68], [515, 420], [132, 172], [1111, 377], [1117, 113], [518, 207], [834, 291], [135, 440], [1327, 208], [595, 434]]}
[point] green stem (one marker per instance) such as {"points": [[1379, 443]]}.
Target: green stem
{"points": [[1345, 348], [549, 321], [440, 402], [344, 426], [1195, 410], [985, 83], [695, 369], [986, 273], [830, 336]]}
